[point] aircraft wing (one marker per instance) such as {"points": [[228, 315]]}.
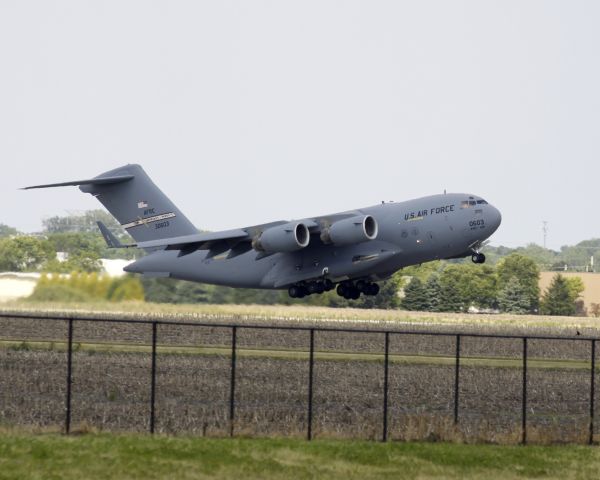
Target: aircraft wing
{"points": [[316, 224], [236, 241], [215, 242]]}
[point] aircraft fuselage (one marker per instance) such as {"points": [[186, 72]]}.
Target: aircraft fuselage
{"points": [[410, 232]]}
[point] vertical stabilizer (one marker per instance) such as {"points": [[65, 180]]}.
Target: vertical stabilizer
{"points": [[141, 208]]}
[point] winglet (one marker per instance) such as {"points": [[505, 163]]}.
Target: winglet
{"points": [[111, 240]]}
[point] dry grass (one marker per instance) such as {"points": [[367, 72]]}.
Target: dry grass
{"points": [[297, 313]]}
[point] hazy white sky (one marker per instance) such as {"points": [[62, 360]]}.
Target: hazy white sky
{"points": [[250, 111]]}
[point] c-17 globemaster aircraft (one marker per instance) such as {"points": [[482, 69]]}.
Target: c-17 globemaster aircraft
{"points": [[353, 249]]}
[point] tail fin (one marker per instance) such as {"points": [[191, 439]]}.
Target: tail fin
{"points": [[137, 203]]}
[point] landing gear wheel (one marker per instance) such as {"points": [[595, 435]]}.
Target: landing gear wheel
{"points": [[295, 291], [373, 289], [342, 290], [354, 294], [478, 258], [311, 288]]}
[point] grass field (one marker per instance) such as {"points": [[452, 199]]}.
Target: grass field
{"points": [[92, 456]]}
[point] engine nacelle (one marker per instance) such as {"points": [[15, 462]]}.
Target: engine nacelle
{"points": [[283, 238], [357, 229]]}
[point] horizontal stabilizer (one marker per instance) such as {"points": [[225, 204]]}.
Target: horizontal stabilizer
{"points": [[111, 240], [91, 181]]}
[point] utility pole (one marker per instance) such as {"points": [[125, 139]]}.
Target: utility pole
{"points": [[545, 230]]}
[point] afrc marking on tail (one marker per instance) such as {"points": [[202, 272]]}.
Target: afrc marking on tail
{"points": [[353, 249], [144, 221]]}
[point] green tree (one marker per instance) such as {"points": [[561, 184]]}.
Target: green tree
{"points": [[415, 295], [81, 222], [85, 261], [577, 257], [557, 299], [6, 231], [543, 257], [526, 271], [474, 285], [452, 299], [576, 289], [575, 286], [161, 290], [424, 270], [513, 298], [433, 293], [24, 253], [79, 235]]}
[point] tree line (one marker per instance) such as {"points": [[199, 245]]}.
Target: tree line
{"points": [[507, 283], [75, 235], [511, 286]]}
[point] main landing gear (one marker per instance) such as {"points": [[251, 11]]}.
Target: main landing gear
{"points": [[349, 290], [302, 290], [478, 257]]}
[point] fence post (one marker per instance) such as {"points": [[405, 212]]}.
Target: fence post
{"points": [[456, 379], [232, 380], [69, 377], [311, 361], [385, 386], [593, 372], [524, 405], [153, 381]]}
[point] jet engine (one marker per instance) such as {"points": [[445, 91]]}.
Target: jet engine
{"points": [[352, 230], [283, 238]]}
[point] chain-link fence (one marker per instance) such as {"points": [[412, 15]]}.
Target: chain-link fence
{"points": [[273, 380]]}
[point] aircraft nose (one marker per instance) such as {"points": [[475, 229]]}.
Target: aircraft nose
{"points": [[494, 217]]}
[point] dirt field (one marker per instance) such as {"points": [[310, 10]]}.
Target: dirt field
{"points": [[112, 372]]}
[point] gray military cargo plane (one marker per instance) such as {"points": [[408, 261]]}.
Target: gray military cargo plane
{"points": [[352, 249]]}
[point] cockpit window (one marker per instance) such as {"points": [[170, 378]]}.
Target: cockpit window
{"points": [[471, 203]]}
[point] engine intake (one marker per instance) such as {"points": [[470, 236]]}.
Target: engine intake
{"points": [[357, 229], [284, 238]]}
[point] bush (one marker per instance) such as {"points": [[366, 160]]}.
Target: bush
{"points": [[58, 293], [82, 287]]}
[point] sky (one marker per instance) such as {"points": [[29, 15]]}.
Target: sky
{"points": [[245, 112]]}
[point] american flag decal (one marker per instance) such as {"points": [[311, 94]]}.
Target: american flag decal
{"points": [[142, 204]]}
